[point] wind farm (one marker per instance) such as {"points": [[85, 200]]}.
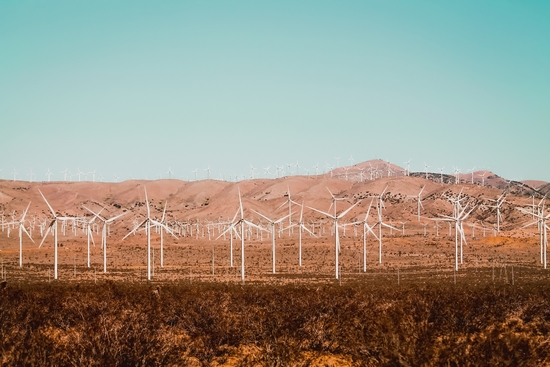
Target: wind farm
{"points": [[284, 238], [279, 183]]}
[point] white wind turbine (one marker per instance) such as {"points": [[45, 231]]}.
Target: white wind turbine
{"points": [[380, 223], [252, 170], [272, 224], [89, 233], [419, 201], [195, 172], [169, 172], [457, 175], [541, 218], [316, 169], [79, 173], [407, 170], [426, 169], [441, 173], [147, 223], [49, 175], [31, 175], [266, 171], [103, 234], [366, 229], [351, 160], [53, 226], [336, 235], [289, 201], [472, 171], [14, 173], [458, 218], [64, 174], [242, 221], [498, 203], [301, 226], [21, 224]]}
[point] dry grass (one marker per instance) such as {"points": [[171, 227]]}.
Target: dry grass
{"points": [[358, 323]]}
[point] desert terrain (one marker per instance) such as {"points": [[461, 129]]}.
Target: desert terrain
{"points": [[410, 308], [198, 213]]}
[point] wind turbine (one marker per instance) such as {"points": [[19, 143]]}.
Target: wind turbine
{"points": [[419, 201], [302, 226], [498, 204], [272, 223], [64, 174], [441, 173], [147, 223], [458, 217], [457, 177], [289, 201], [266, 171], [169, 173], [79, 173], [252, 170], [207, 169], [426, 169], [14, 173], [242, 221], [336, 235], [89, 232], [380, 223], [21, 223], [49, 175], [407, 170], [366, 229], [541, 218], [52, 226], [103, 235], [351, 160], [195, 172]]}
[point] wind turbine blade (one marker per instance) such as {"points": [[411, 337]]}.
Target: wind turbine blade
{"points": [[263, 216], [90, 234], [147, 202], [164, 211], [388, 226], [330, 193], [319, 211], [28, 235], [241, 204], [135, 228], [253, 225], [114, 218], [227, 230], [283, 218], [369, 229], [162, 225], [25, 213], [45, 235], [368, 211], [49, 206], [348, 209], [307, 230]]}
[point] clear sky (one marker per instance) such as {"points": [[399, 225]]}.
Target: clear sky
{"points": [[134, 87]]}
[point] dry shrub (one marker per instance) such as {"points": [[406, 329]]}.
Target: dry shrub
{"points": [[121, 324]]}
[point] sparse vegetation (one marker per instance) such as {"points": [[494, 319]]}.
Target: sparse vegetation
{"points": [[123, 324]]}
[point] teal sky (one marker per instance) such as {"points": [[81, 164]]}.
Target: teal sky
{"points": [[134, 87]]}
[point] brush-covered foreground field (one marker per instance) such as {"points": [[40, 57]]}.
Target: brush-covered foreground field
{"points": [[481, 320]]}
